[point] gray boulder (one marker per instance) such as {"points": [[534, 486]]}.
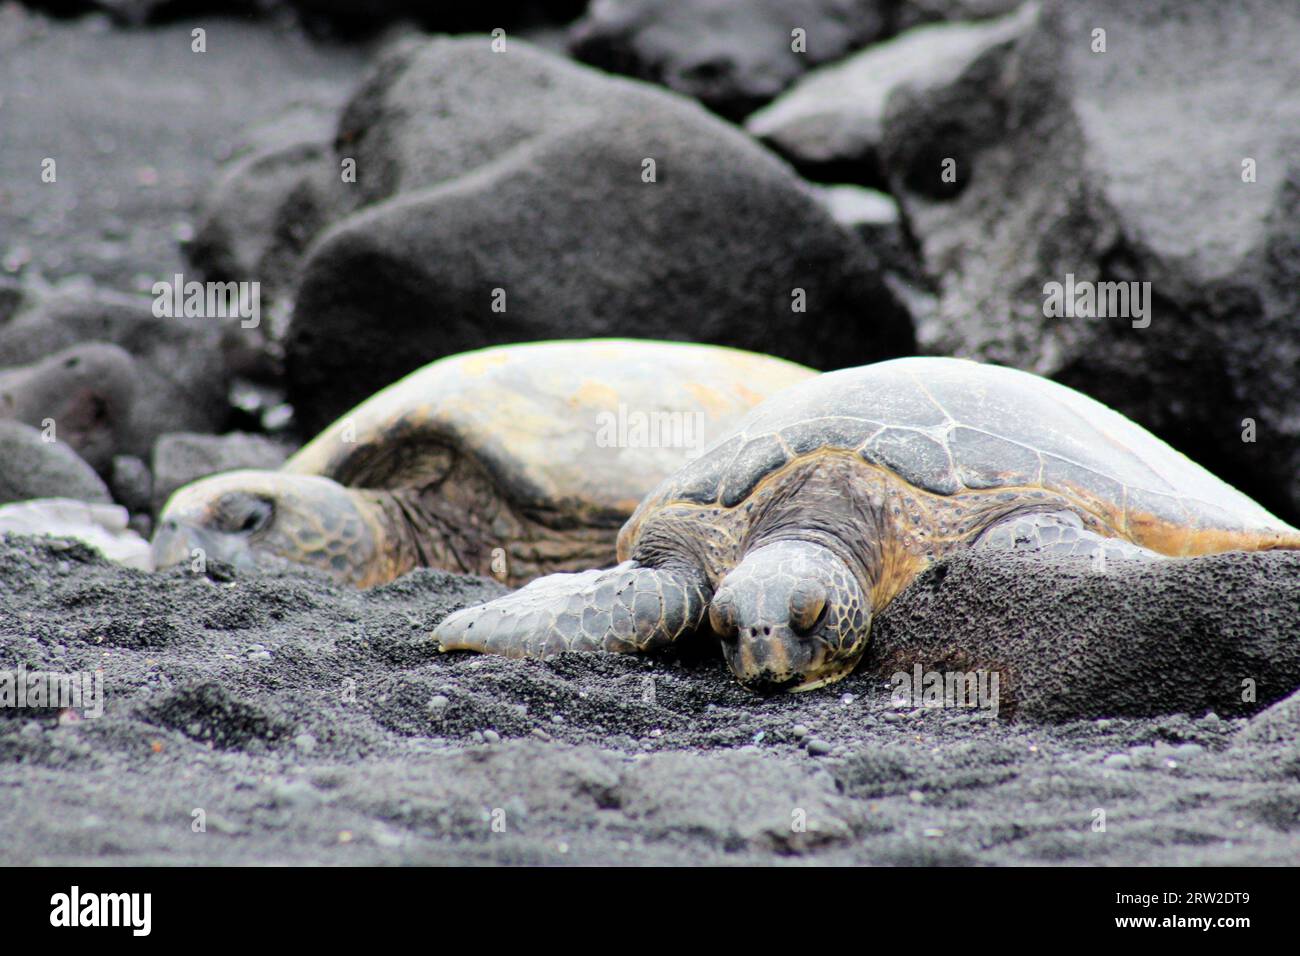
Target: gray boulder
{"points": [[180, 365], [734, 57], [12, 295], [345, 18], [874, 217], [1131, 165], [84, 395], [348, 19], [277, 191], [507, 200], [131, 483], [182, 458], [830, 123], [1139, 639], [102, 526], [138, 13], [31, 467], [261, 215]]}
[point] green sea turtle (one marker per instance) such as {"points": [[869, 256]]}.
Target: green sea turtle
{"points": [[517, 460], [790, 533]]}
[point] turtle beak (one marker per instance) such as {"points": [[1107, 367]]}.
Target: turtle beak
{"points": [[770, 659], [176, 543]]}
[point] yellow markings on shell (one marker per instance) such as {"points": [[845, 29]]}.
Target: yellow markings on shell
{"points": [[714, 402], [594, 395], [478, 364]]}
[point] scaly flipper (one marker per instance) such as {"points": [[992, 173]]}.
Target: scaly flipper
{"points": [[1059, 533], [623, 609]]}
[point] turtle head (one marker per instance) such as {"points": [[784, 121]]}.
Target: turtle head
{"points": [[792, 616], [268, 519]]}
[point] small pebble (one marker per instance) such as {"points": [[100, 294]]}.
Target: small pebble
{"points": [[1118, 762], [799, 731], [491, 736], [817, 747], [305, 742], [438, 702]]}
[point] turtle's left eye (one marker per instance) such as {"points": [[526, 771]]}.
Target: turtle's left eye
{"points": [[722, 617], [807, 607], [245, 514]]}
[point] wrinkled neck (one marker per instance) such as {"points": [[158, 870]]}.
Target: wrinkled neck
{"points": [[398, 546], [827, 503], [425, 530]]}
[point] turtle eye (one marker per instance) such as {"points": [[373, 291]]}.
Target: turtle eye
{"points": [[245, 514], [722, 617], [807, 608]]}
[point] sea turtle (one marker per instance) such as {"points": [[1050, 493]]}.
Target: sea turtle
{"points": [[788, 534], [517, 460]]}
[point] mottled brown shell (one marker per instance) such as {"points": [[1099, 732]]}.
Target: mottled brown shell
{"points": [[951, 427]]}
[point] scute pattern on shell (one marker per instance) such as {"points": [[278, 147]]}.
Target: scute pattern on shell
{"points": [[950, 426]]}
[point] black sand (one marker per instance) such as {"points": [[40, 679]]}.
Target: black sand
{"points": [[317, 726]]}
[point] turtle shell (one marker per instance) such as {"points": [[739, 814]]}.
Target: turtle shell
{"points": [[951, 426], [568, 427]]}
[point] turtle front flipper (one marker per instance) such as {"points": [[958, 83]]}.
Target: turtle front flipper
{"points": [[623, 609], [1059, 533]]}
